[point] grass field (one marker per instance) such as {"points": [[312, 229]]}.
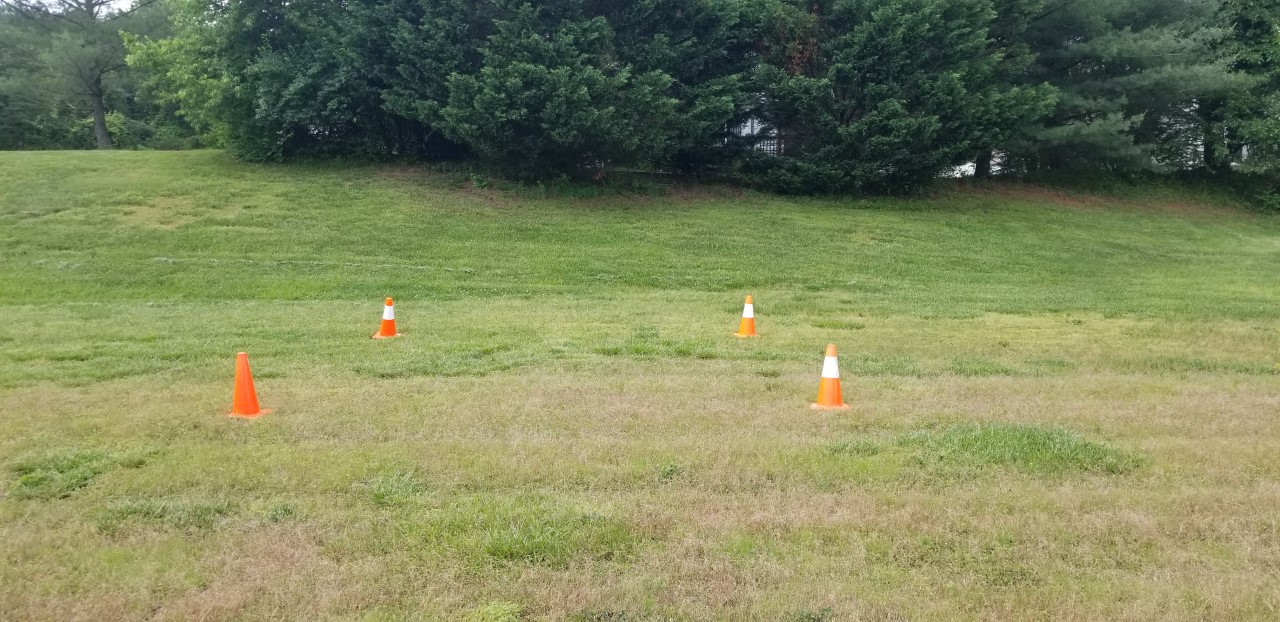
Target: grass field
{"points": [[1065, 407]]}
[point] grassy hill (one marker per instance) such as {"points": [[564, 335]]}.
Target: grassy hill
{"points": [[1065, 406]]}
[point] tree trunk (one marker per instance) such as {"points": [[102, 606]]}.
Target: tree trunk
{"points": [[1210, 151], [1211, 115], [99, 115], [1235, 147], [982, 164]]}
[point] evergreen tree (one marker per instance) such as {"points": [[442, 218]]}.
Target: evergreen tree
{"points": [[415, 46], [882, 94], [707, 49], [1009, 38], [1250, 116], [552, 97], [853, 95], [34, 112], [1133, 75]]}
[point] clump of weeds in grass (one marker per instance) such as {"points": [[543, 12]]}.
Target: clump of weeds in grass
{"points": [[1029, 448], [554, 538], [58, 474], [185, 515], [391, 489], [280, 513], [495, 612], [524, 530], [807, 615], [669, 471], [606, 615]]}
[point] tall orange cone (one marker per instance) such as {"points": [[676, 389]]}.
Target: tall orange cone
{"points": [[747, 328], [244, 400], [829, 397], [388, 328]]}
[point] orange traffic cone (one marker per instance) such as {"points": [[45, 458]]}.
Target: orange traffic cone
{"points": [[829, 397], [388, 328], [747, 328], [244, 400]]}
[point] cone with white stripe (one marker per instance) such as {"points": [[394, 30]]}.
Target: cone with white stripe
{"points": [[388, 328], [829, 397], [747, 327]]}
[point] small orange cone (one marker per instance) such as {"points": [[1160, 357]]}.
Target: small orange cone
{"points": [[388, 328], [829, 397], [244, 400], [747, 328]]}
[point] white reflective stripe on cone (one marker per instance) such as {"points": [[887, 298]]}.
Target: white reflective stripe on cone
{"points": [[749, 310], [830, 368], [388, 312]]}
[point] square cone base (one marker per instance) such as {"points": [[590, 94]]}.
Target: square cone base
{"points": [[821, 407], [742, 336], [390, 337], [255, 416]]}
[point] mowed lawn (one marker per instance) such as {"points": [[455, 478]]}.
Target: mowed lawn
{"points": [[1065, 407]]}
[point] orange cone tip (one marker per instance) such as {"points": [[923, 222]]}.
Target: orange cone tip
{"points": [[388, 328], [829, 397], [244, 400], [747, 327]]}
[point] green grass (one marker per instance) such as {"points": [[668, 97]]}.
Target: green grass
{"points": [[495, 612], [50, 477], [58, 474], [183, 515], [1064, 403], [1029, 448]]}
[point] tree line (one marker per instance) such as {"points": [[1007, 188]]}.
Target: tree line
{"points": [[794, 95]]}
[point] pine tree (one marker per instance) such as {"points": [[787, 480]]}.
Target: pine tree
{"points": [[1250, 116], [1134, 76], [552, 97], [882, 94], [707, 48]]}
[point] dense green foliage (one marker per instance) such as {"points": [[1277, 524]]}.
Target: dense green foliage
{"points": [[883, 93], [564, 87], [577, 85], [64, 83], [799, 96], [550, 97], [1132, 78], [1251, 116]]}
